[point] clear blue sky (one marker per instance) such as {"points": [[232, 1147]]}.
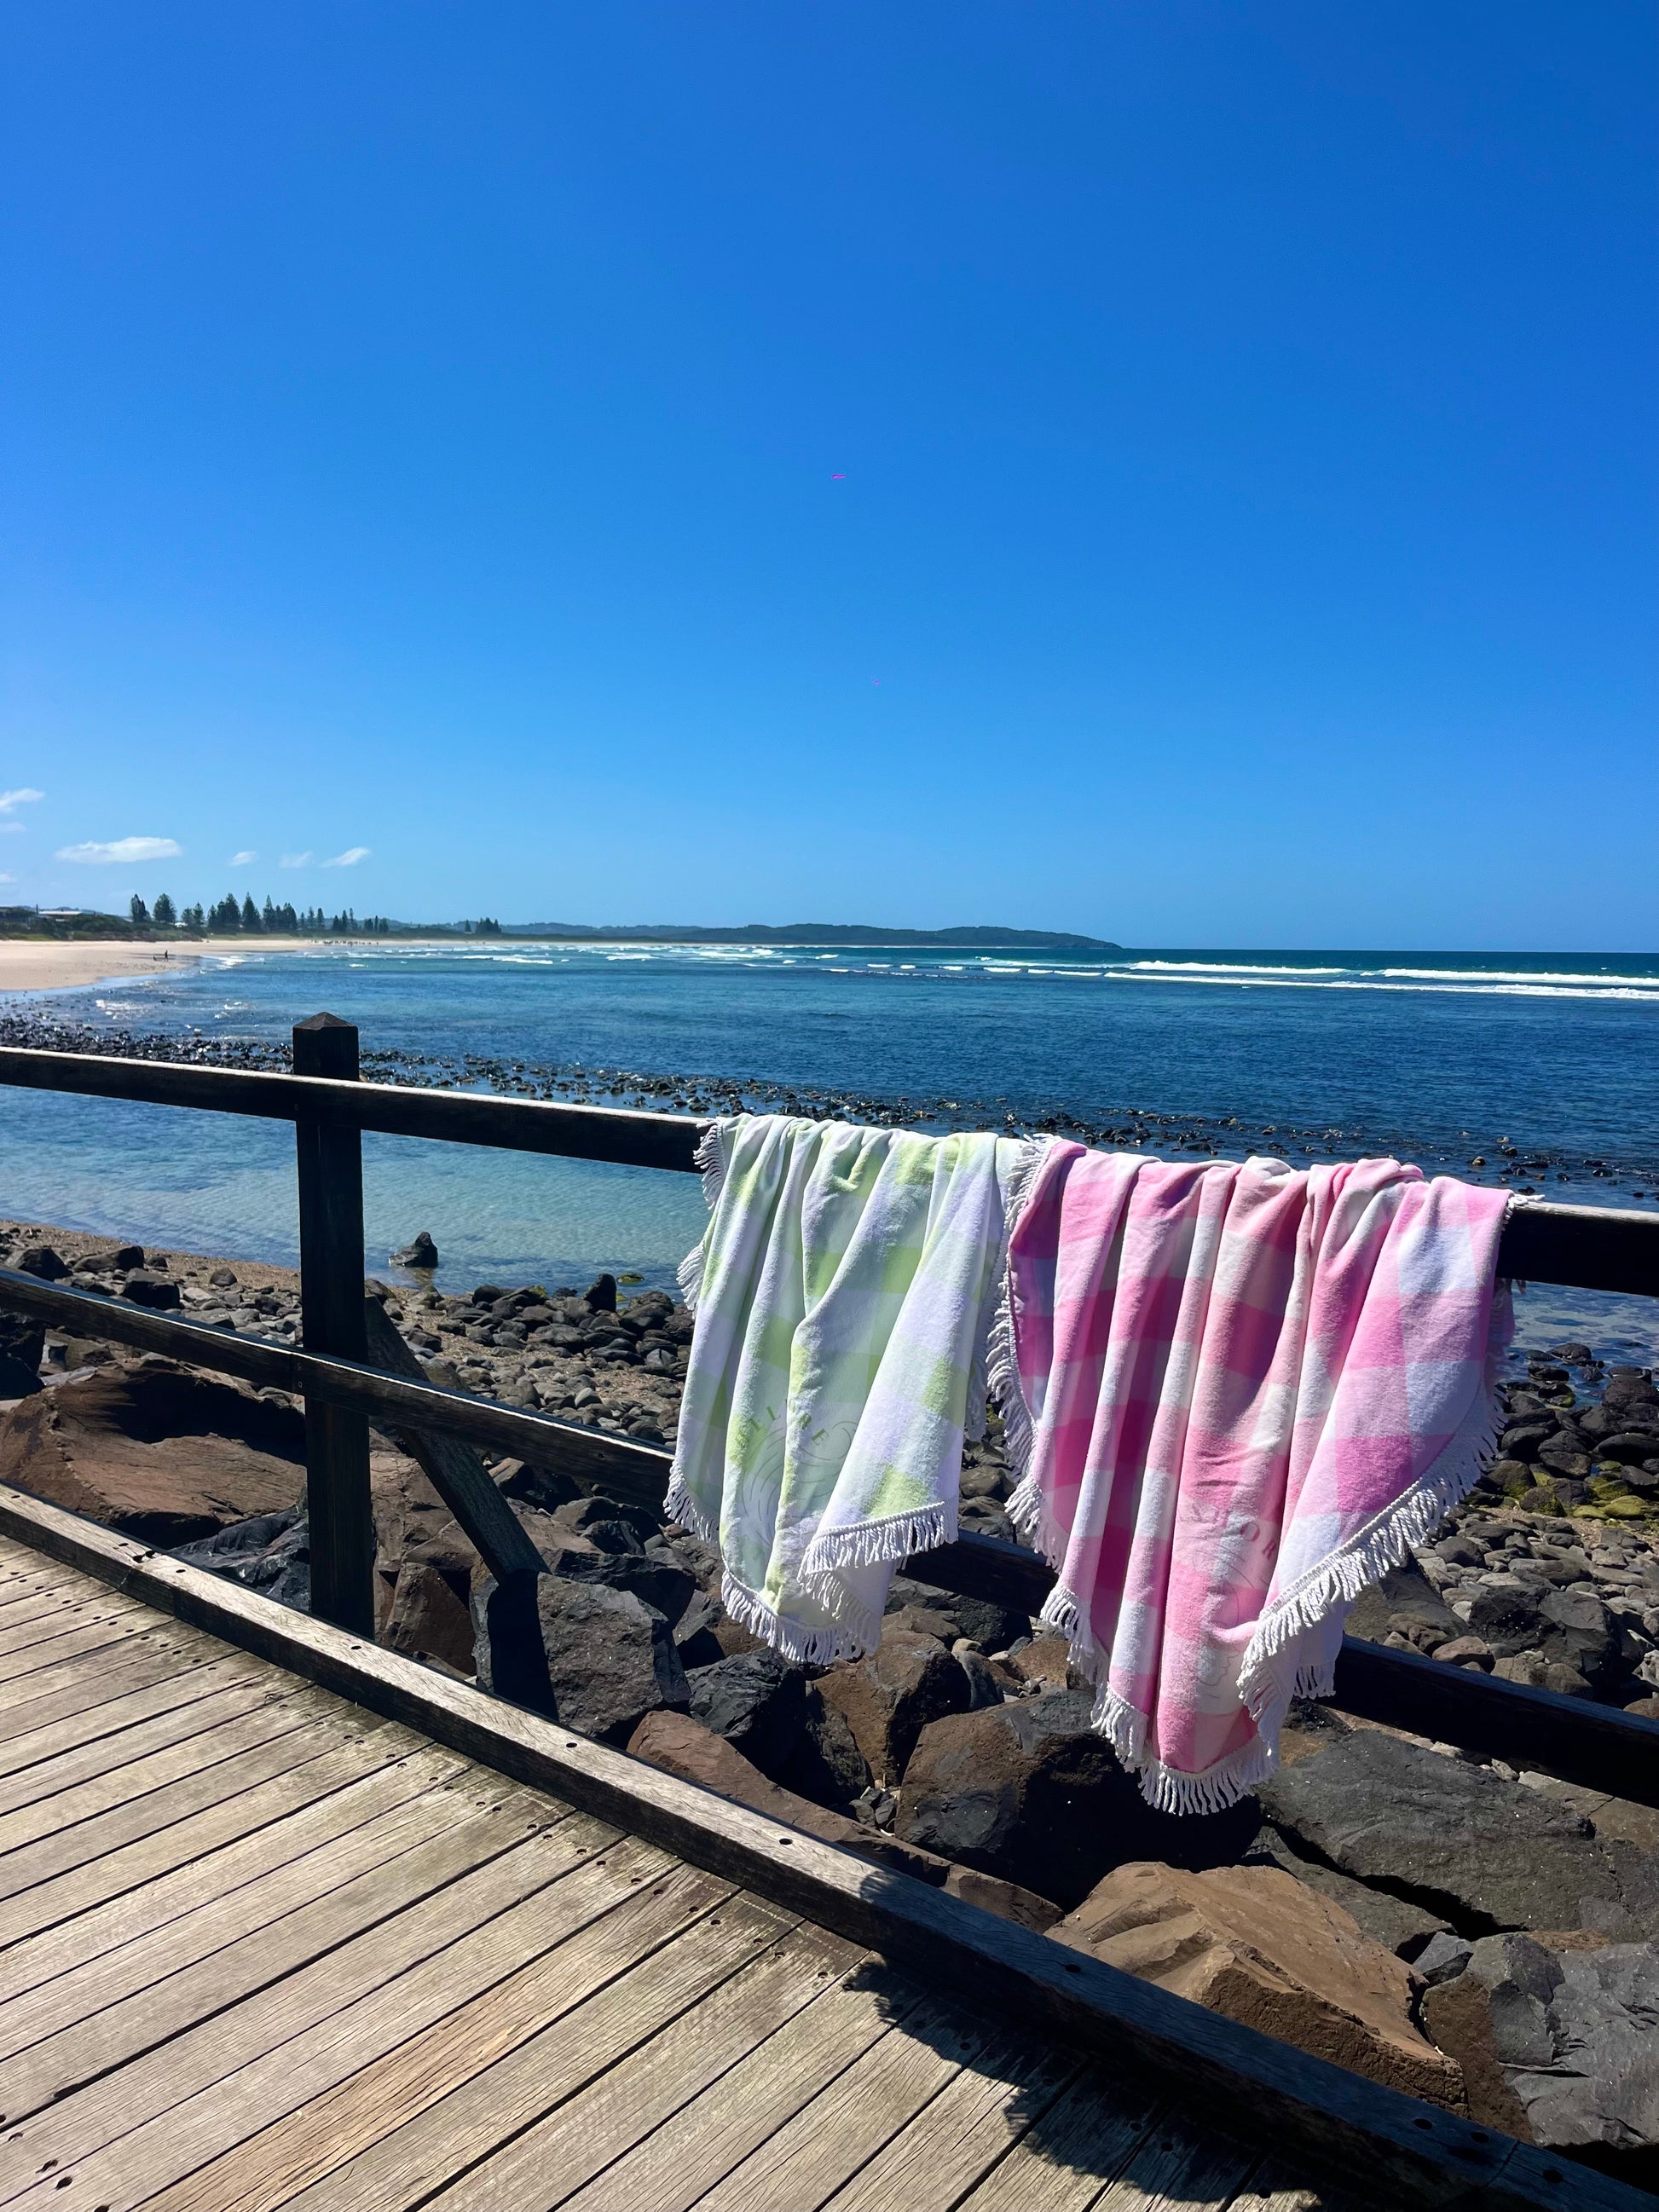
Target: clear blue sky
{"points": [[1180, 472]]}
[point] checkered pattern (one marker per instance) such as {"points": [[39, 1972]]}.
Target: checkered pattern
{"points": [[844, 1294], [1241, 1392]]}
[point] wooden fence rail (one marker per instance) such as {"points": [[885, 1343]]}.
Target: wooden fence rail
{"points": [[342, 1375]]}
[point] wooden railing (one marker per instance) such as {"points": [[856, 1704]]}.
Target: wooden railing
{"points": [[355, 1366]]}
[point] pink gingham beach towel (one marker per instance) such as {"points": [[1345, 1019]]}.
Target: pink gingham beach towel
{"points": [[1237, 1393]]}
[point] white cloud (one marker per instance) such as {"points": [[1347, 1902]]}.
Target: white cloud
{"points": [[24, 798], [241, 859], [11, 829], [295, 860], [120, 849], [349, 857], [7, 879]]}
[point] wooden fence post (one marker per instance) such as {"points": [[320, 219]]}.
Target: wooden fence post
{"points": [[330, 1162]]}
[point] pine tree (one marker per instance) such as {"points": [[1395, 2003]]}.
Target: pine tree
{"points": [[249, 914], [166, 918], [139, 912], [268, 919]]}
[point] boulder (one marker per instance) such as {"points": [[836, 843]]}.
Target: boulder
{"points": [[681, 1745], [1457, 1839], [757, 1702], [1457, 2014], [1578, 1631], [1394, 1921], [1406, 1590], [992, 1627], [609, 1658], [158, 1453], [22, 1347], [1573, 2030], [540, 1486], [890, 1696], [694, 1632], [411, 1522], [826, 1764], [1252, 1943], [40, 1259], [1028, 1791], [428, 1618], [419, 1252], [1505, 1612], [146, 1288]]}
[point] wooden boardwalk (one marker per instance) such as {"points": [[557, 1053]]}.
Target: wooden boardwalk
{"points": [[261, 1947]]}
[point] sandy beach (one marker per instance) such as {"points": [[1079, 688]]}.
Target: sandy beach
{"points": [[38, 964]]}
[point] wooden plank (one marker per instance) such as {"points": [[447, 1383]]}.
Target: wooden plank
{"points": [[1068, 2154], [127, 2004], [1336, 2123], [20, 1621], [519, 1124], [396, 2127], [130, 1747], [1596, 1746], [1583, 1247], [827, 2142], [101, 1636], [541, 2161], [1276, 2190], [958, 2137], [157, 2119], [331, 1186], [320, 1810], [319, 1767], [743, 2108], [119, 1715], [27, 1707], [177, 1941], [1181, 2168], [49, 1836], [453, 1468]]}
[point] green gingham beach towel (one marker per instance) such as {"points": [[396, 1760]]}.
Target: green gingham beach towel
{"points": [[844, 1293]]}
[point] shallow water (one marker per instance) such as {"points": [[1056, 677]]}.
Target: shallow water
{"points": [[1432, 1057]]}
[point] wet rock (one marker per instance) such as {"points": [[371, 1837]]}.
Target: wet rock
{"points": [[1457, 1839], [757, 1702], [159, 1454], [609, 1657], [601, 1295], [419, 1252], [890, 1696], [1253, 1944]]}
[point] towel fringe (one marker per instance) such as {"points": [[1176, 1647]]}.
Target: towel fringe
{"points": [[710, 1160], [835, 1552], [1001, 1360], [809, 1647]]}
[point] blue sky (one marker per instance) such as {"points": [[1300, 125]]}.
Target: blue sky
{"points": [[1184, 472]]}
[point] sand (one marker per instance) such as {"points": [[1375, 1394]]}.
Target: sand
{"points": [[38, 964]]}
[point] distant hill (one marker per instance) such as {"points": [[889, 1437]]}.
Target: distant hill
{"points": [[983, 937]]}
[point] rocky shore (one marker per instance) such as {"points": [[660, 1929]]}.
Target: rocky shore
{"points": [[1478, 1935]]}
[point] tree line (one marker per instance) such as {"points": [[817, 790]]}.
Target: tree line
{"points": [[230, 917]]}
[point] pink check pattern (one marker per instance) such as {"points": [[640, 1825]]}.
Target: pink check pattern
{"points": [[1239, 1393]]}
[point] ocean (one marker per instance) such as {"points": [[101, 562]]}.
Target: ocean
{"points": [[1444, 1059]]}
